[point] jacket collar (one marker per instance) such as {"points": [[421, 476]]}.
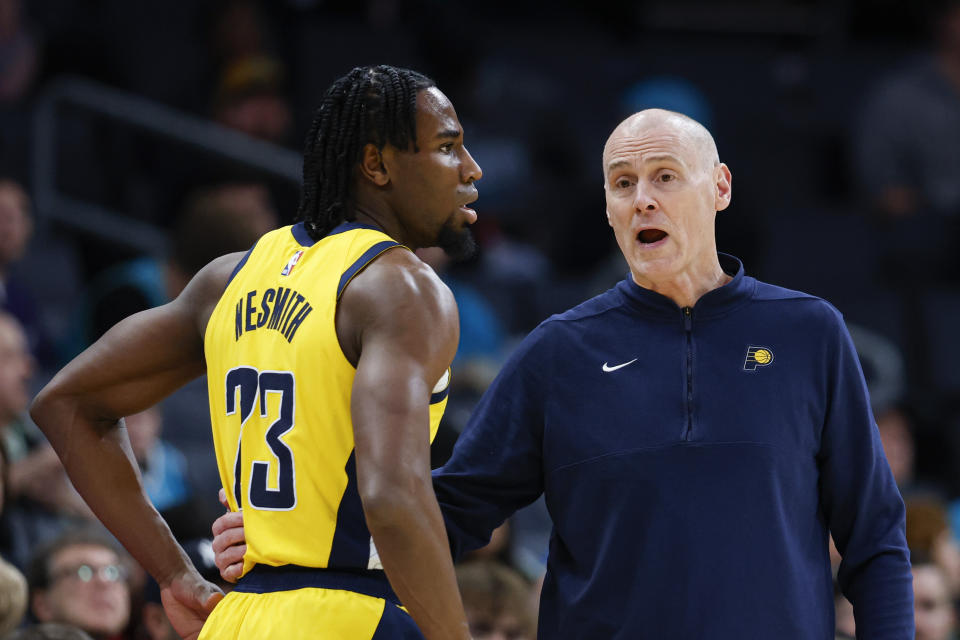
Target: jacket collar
{"points": [[717, 302]]}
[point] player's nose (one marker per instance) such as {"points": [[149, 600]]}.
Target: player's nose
{"points": [[470, 170]]}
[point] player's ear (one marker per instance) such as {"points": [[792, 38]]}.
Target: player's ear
{"points": [[372, 166]]}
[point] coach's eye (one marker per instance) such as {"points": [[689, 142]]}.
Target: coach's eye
{"points": [[446, 147]]}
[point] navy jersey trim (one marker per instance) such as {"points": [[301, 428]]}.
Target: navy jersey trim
{"points": [[350, 226], [440, 395], [396, 624], [265, 578], [362, 262], [239, 266], [351, 538], [300, 234]]}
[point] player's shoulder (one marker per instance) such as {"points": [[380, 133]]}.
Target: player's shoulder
{"points": [[400, 290], [400, 274]]}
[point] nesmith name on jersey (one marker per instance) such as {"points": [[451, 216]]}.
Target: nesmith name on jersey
{"points": [[280, 309]]}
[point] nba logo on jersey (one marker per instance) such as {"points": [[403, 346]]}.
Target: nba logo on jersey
{"points": [[291, 263]]}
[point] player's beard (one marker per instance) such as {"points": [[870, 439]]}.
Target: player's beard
{"points": [[456, 243]]}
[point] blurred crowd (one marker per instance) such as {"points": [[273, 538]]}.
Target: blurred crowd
{"points": [[840, 122]]}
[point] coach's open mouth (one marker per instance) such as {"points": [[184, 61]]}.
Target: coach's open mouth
{"points": [[651, 236]]}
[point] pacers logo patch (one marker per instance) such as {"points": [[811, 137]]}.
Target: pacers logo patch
{"points": [[291, 263], [757, 357]]}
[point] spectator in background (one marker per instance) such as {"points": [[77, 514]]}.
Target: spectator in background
{"points": [[154, 624], [16, 228], [19, 53], [164, 471], [13, 597], [16, 368], [81, 578], [896, 434], [49, 631], [907, 156], [214, 220], [250, 98], [41, 500], [929, 536], [162, 466], [13, 586], [496, 600], [238, 31], [933, 608], [250, 93]]}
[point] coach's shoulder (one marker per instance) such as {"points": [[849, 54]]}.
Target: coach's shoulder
{"points": [[803, 306]]}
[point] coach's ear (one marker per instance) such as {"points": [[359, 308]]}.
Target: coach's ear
{"points": [[372, 167]]}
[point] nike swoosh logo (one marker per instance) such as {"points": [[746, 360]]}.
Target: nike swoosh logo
{"points": [[608, 369]]}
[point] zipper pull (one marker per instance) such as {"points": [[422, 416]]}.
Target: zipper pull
{"points": [[687, 318]]}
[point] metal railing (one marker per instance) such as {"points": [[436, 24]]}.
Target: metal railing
{"points": [[140, 113]]}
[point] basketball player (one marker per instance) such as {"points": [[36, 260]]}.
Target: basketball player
{"points": [[326, 349]]}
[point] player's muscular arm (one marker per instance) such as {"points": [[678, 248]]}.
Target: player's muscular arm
{"points": [[401, 323], [133, 366]]}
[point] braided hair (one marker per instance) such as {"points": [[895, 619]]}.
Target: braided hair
{"points": [[375, 105]]}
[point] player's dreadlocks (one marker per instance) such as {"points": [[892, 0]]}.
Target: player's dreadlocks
{"points": [[368, 105]]}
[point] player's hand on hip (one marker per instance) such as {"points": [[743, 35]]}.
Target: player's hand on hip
{"points": [[187, 601], [229, 543]]}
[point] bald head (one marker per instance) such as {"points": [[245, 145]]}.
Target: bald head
{"points": [[663, 185], [689, 134]]}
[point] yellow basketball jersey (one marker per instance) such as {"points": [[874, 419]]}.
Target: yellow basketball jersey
{"points": [[280, 386]]}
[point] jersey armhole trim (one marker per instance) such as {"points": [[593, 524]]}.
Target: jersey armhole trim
{"points": [[440, 396], [360, 263], [302, 236], [240, 265]]}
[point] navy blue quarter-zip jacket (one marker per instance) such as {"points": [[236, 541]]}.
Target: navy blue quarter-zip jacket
{"points": [[693, 462]]}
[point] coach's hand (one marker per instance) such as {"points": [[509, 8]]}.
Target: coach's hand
{"points": [[187, 600], [229, 543]]}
